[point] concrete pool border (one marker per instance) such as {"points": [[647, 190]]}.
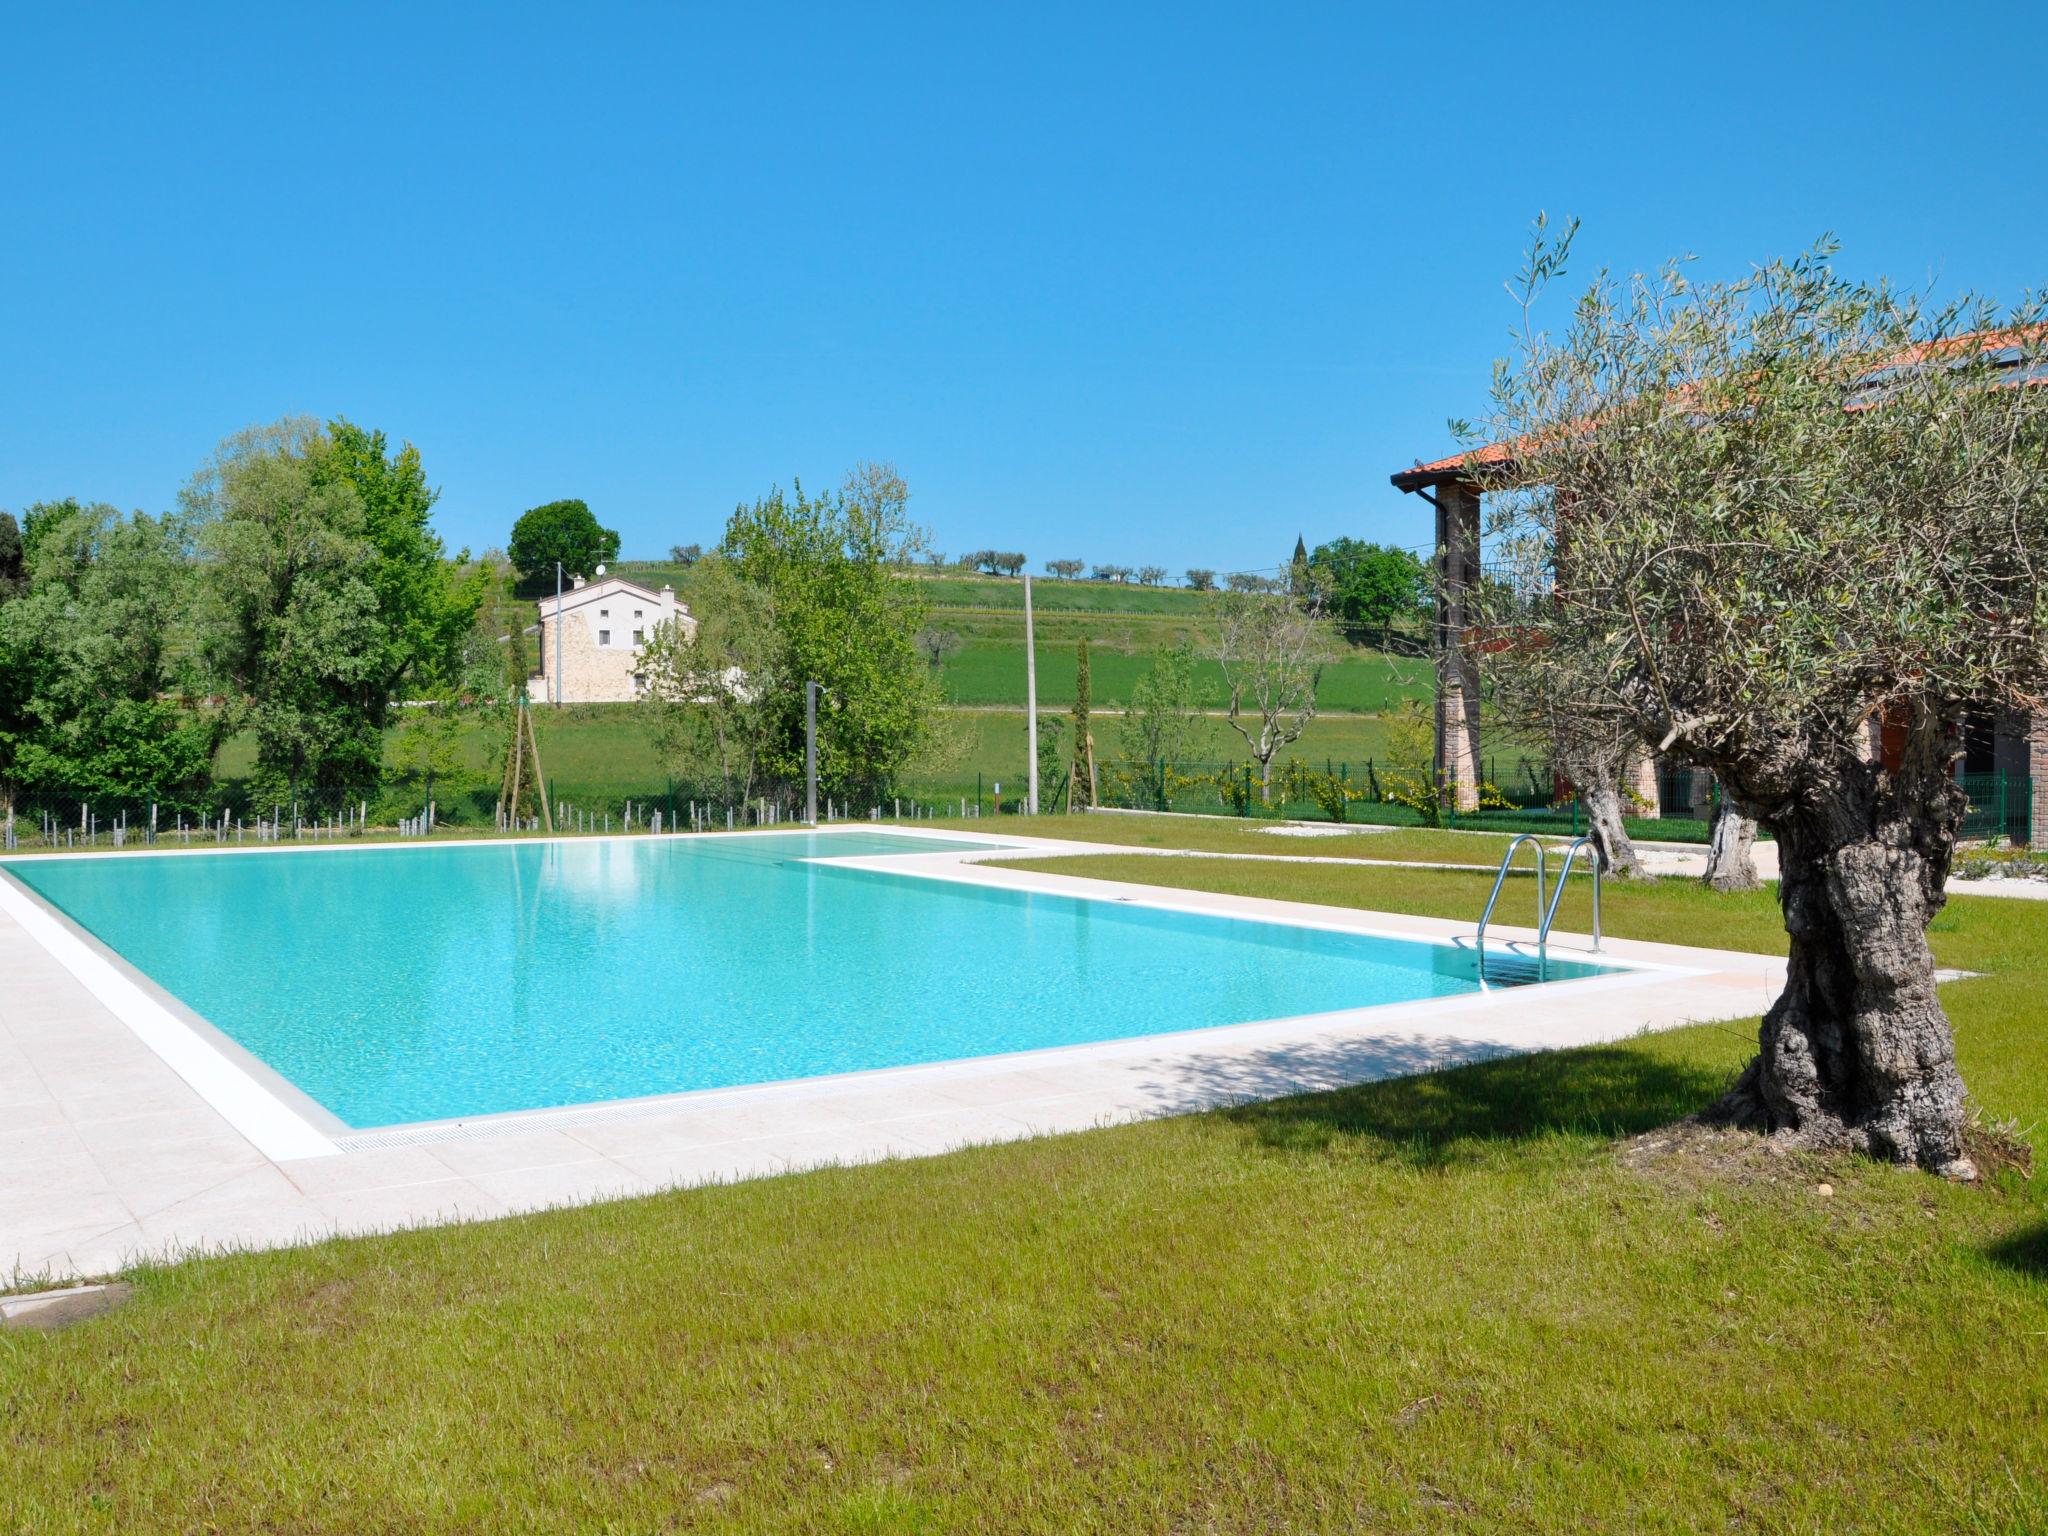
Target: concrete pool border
{"points": [[261, 1183]]}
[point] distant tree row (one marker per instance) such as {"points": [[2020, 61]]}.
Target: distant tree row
{"points": [[997, 562], [1070, 570]]}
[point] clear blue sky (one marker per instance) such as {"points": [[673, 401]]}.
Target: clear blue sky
{"points": [[1120, 283]]}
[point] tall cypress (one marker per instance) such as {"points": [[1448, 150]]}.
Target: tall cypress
{"points": [[1081, 794]]}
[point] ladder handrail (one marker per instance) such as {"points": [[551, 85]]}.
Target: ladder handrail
{"points": [[1557, 895], [1506, 861]]}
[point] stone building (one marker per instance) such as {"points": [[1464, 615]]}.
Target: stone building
{"points": [[602, 628]]}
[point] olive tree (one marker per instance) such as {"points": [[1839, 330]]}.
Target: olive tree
{"points": [[1799, 523], [1272, 647]]}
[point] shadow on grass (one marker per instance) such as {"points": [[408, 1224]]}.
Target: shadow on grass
{"points": [[2024, 1252], [1445, 1112]]}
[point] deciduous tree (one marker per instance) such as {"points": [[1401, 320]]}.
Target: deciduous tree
{"points": [[1159, 718], [716, 701], [1371, 587], [564, 531], [844, 618], [95, 662]]}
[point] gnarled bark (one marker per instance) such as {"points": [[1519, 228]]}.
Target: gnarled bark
{"points": [[1604, 825], [1857, 1052], [1731, 864]]}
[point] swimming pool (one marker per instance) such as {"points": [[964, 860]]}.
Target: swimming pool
{"points": [[413, 983]]}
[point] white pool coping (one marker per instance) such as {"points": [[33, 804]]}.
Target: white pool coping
{"points": [[183, 1140]]}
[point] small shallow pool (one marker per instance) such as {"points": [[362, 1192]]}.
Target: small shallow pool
{"points": [[410, 983]]}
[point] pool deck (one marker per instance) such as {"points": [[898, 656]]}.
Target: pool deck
{"points": [[113, 1149]]}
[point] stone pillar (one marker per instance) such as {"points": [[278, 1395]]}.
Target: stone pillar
{"points": [[1642, 783], [1458, 763], [2037, 771]]}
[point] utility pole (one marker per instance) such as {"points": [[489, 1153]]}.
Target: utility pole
{"points": [[811, 754], [1030, 705], [556, 690]]}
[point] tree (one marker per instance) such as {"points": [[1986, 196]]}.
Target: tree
{"points": [[39, 520], [1052, 758], [470, 691], [845, 619], [95, 662], [998, 562], [1731, 861], [1201, 580], [1081, 770], [426, 604], [1252, 581], [1272, 647], [1371, 587], [562, 531], [326, 594], [936, 645], [13, 564], [291, 632], [1159, 719], [716, 700], [1799, 523], [1151, 575], [1297, 567], [683, 554], [1065, 570]]}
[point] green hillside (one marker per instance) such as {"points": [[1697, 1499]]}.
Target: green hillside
{"points": [[989, 672]]}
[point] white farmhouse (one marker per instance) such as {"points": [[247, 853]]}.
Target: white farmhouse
{"points": [[603, 627]]}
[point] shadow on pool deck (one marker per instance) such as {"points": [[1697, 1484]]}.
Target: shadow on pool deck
{"points": [[1436, 1117]]}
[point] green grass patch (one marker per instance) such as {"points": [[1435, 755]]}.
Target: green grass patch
{"points": [[1438, 1303], [984, 672]]}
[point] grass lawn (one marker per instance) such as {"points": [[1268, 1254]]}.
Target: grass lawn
{"points": [[992, 672], [601, 754], [1444, 1303]]}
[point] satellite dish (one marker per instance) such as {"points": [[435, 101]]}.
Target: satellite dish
{"points": [[600, 570]]}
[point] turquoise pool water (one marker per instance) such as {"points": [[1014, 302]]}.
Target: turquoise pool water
{"points": [[425, 983]]}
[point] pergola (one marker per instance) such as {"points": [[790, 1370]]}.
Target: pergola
{"points": [[1453, 486]]}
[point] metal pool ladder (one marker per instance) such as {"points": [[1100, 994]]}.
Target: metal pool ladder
{"points": [[1545, 914]]}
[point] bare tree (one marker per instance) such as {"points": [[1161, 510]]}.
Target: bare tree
{"points": [[1151, 575], [1272, 647], [1801, 524]]}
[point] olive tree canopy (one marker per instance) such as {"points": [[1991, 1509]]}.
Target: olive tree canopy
{"points": [[1798, 525]]}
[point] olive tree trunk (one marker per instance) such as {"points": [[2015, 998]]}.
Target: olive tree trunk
{"points": [[1857, 1052], [1602, 800], [1731, 861]]}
